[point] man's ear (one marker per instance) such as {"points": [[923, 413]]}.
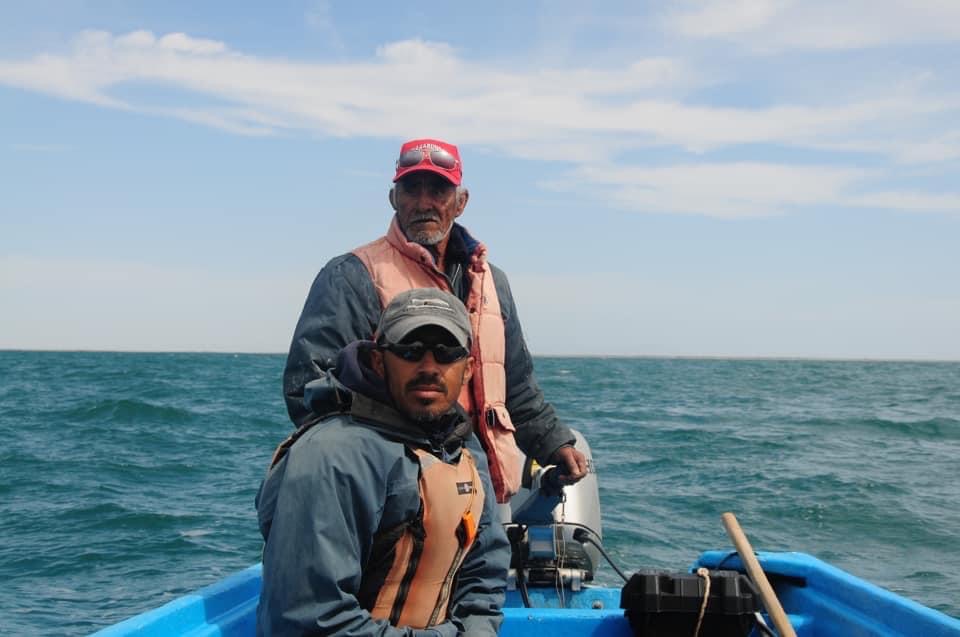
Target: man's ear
{"points": [[376, 362], [468, 370], [462, 196], [392, 196]]}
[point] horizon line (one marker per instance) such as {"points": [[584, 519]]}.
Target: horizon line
{"points": [[743, 357]]}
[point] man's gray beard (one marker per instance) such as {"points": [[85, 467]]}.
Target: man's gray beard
{"points": [[425, 238]]}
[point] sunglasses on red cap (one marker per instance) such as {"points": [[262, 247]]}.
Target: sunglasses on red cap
{"points": [[416, 156]]}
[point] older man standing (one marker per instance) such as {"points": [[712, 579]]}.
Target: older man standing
{"points": [[425, 247]]}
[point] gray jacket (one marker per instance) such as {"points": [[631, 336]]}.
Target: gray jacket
{"points": [[342, 306], [344, 480]]}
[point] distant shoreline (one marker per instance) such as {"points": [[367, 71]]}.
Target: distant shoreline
{"points": [[717, 357]]}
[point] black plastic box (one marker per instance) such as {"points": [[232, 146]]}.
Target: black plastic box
{"points": [[663, 604]]}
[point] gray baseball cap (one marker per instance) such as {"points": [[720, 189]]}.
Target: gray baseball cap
{"points": [[419, 307]]}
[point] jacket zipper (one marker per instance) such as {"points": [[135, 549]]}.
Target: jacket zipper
{"points": [[451, 278], [463, 538], [404, 590], [444, 597]]}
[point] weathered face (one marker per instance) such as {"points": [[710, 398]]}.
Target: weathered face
{"points": [[425, 389], [427, 205]]}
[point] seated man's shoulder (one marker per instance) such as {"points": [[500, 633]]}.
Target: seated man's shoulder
{"points": [[339, 437], [339, 428]]}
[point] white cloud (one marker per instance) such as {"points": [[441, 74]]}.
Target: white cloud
{"points": [[945, 148], [180, 42], [773, 25], [916, 201], [469, 101], [239, 121], [746, 189], [594, 116], [185, 44], [726, 18], [731, 190], [141, 39]]}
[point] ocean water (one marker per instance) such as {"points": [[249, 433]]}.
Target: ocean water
{"points": [[128, 479]]}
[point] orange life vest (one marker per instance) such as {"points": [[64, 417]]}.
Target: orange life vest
{"points": [[417, 588], [396, 265]]}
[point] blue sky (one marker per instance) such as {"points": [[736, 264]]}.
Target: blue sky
{"points": [[723, 178]]}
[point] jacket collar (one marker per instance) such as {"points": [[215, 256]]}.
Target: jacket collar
{"points": [[445, 438], [474, 250]]}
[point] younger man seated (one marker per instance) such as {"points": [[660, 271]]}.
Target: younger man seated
{"points": [[377, 518]]}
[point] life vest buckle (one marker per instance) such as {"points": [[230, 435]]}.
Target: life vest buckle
{"points": [[467, 531]]}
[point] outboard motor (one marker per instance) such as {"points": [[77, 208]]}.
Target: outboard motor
{"points": [[555, 530]]}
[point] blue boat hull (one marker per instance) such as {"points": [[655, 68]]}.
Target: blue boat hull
{"points": [[821, 600]]}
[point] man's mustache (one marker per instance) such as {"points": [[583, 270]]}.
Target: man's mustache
{"points": [[427, 381], [420, 218]]}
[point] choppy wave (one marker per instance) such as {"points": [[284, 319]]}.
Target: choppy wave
{"points": [[129, 479], [126, 411]]}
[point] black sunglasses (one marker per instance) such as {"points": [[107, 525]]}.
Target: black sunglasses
{"points": [[414, 352]]}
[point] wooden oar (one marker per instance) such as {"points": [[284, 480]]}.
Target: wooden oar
{"points": [[770, 601]]}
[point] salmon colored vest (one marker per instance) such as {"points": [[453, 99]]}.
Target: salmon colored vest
{"points": [[417, 588], [396, 265]]}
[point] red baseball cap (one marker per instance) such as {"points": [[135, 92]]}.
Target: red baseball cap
{"points": [[430, 154]]}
